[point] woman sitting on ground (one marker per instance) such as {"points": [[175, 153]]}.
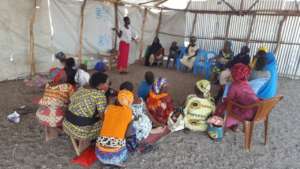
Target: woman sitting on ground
{"points": [[239, 92], [111, 143], [155, 53], [146, 85], [52, 107], [198, 107], [173, 52], [159, 103], [141, 124], [65, 74], [189, 59], [85, 113]]}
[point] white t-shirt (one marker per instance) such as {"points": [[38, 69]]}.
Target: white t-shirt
{"points": [[127, 34], [82, 77]]}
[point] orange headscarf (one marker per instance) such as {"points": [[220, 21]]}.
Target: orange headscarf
{"points": [[125, 98]]}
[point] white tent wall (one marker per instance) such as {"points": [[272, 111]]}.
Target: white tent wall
{"points": [[66, 25], [14, 19], [172, 23], [211, 27], [44, 49]]}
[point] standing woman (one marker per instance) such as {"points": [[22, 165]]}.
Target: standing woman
{"points": [[126, 35]]}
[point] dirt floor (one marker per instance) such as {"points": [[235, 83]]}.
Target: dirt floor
{"points": [[22, 145]]}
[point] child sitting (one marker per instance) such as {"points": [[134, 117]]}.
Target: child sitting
{"points": [[198, 107], [146, 85], [160, 103], [111, 143], [173, 52], [82, 77]]}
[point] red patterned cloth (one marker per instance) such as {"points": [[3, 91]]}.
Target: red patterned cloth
{"points": [[160, 106], [53, 103]]}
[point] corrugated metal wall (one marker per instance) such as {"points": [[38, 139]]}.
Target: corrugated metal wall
{"points": [[265, 28]]}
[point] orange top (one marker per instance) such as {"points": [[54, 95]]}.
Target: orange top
{"points": [[116, 120]]}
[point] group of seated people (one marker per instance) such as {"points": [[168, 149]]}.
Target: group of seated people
{"points": [[120, 121], [155, 53]]}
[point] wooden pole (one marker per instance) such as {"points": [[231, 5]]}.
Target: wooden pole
{"points": [[116, 25], [194, 24], [188, 5], [81, 30], [279, 33], [159, 23], [147, 2], [228, 4], [297, 5], [31, 41], [142, 34], [250, 30], [253, 5], [227, 27], [161, 2], [241, 7]]}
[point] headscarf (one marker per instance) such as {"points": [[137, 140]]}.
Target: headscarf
{"points": [[269, 90], [263, 49], [204, 86], [155, 46], [159, 84], [240, 72], [125, 98]]}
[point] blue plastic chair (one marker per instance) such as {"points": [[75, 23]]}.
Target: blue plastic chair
{"points": [[206, 65], [182, 52]]}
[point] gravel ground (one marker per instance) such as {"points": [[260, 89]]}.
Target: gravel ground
{"points": [[22, 145]]}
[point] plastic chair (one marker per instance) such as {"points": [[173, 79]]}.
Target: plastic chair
{"points": [[200, 62], [262, 115], [182, 52], [207, 65]]}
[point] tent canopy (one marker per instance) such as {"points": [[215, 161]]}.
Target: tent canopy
{"points": [[33, 31]]}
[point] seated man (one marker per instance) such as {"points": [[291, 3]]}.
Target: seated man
{"points": [[173, 52]]}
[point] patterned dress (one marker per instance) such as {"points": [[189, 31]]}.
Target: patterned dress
{"points": [[111, 143], [142, 123], [196, 112], [85, 103], [53, 104]]}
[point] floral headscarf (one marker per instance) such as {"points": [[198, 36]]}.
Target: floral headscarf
{"points": [[159, 84], [240, 72], [125, 98], [204, 86]]}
